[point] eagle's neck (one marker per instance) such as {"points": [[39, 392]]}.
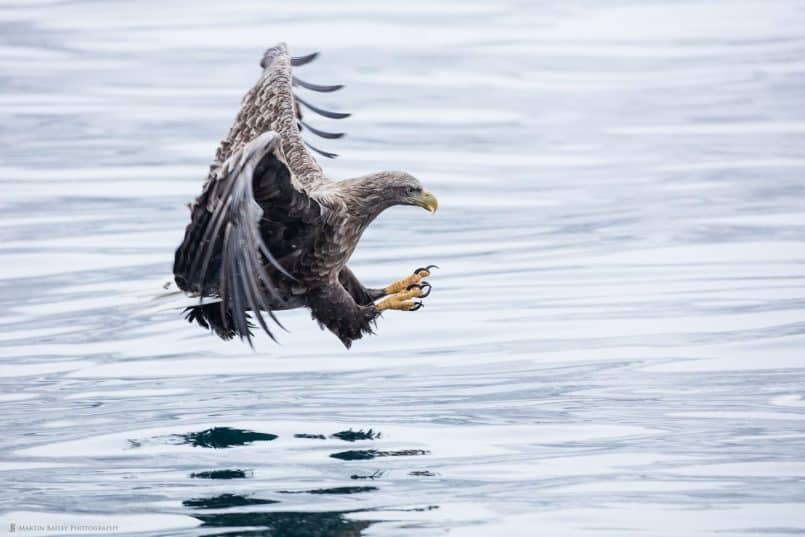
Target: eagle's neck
{"points": [[365, 198]]}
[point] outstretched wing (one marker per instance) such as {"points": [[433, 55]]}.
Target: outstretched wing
{"points": [[224, 254], [272, 105]]}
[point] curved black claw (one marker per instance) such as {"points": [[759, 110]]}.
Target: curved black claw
{"points": [[417, 305], [428, 268], [424, 286]]}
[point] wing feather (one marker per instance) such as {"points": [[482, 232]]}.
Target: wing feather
{"points": [[271, 105], [224, 253]]}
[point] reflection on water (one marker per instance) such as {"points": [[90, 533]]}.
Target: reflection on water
{"points": [[422, 473], [352, 436], [285, 524], [222, 474], [374, 475], [222, 501], [614, 343], [334, 490], [224, 437], [365, 454]]}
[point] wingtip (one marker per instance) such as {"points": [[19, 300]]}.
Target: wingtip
{"points": [[297, 61], [271, 53], [321, 152], [321, 133], [322, 112], [321, 88]]}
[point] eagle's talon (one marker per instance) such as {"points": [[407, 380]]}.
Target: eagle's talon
{"points": [[423, 287], [410, 282], [399, 302], [425, 271]]}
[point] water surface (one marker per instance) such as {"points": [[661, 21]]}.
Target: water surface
{"points": [[614, 343]]}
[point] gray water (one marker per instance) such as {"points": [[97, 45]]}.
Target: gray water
{"points": [[614, 344]]}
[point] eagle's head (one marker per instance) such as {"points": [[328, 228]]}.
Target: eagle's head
{"points": [[401, 188]]}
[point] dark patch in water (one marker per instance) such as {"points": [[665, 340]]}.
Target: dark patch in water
{"points": [[420, 509], [425, 473], [333, 490], [377, 475], [222, 474], [356, 455], [403, 453], [224, 437], [285, 524], [313, 436], [352, 436], [366, 454], [224, 500]]}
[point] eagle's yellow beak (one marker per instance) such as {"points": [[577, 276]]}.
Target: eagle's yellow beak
{"points": [[428, 201]]}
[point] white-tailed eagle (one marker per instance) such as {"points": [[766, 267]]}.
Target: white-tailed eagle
{"points": [[271, 232]]}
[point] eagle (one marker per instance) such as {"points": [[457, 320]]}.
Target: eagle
{"points": [[270, 231]]}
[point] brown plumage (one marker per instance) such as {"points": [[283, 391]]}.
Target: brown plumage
{"points": [[269, 230]]}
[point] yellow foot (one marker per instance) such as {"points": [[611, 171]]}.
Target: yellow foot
{"points": [[402, 300], [415, 278]]}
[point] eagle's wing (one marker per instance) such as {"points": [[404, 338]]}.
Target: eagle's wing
{"points": [[256, 195], [272, 105], [224, 254]]}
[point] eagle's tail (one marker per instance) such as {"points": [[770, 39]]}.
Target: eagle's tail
{"points": [[206, 313], [209, 316]]}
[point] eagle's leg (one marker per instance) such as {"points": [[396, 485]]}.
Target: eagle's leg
{"points": [[402, 300], [362, 295], [335, 309], [404, 284]]}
